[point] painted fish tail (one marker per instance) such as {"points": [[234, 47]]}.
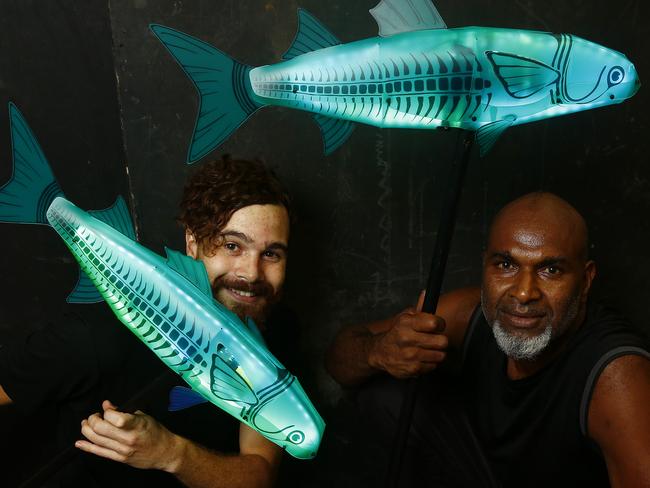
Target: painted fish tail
{"points": [[30, 197], [225, 95], [26, 197]]}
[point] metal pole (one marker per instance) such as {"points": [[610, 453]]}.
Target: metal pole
{"points": [[450, 199]]}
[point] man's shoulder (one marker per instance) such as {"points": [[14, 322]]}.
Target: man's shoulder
{"points": [[605, 328]]}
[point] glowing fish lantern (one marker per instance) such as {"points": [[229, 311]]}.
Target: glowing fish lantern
{"points": [[167, 304], [418, 75]]}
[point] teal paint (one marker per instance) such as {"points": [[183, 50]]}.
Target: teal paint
{"points": [[420, 76]]}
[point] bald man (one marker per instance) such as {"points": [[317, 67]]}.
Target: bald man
{"points": [[551, 390]]}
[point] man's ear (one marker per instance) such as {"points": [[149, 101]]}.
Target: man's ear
{"points": [[191, 246], [590, 274]]}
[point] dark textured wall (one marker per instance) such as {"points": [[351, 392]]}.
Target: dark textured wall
{"points": [[56, 65], [367, 214]]}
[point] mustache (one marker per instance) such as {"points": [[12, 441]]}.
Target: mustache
{"points": [[525, 311], [259, 288]]}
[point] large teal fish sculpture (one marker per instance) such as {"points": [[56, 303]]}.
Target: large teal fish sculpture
{"points": [[167, 304], [418, 75]]}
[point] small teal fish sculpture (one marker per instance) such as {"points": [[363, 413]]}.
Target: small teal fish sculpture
{"points": [[417, 75], [167, 304]]}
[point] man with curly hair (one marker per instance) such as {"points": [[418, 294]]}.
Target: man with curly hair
{"points": [[236, 217]]}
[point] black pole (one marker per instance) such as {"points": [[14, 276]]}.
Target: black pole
{"points": [[69, 454], [450, 199]]}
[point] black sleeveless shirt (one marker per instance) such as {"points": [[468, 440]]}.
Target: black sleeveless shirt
{"points": [[534, 430]]}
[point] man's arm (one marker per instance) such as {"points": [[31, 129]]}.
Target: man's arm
{"points": [[408, 344], [4, 398], [142, 442], [619, 422]]}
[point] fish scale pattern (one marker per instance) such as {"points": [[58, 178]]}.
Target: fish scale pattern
{"points": [[135, 300], [443, 86]]}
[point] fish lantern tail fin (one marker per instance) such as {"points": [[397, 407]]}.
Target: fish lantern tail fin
{"points": [[32, 191], [226, 97], [25, 198]]}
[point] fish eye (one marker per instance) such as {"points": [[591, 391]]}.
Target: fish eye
{"points": [[615, 76], [296, 437]]}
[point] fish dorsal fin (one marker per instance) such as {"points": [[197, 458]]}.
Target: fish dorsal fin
{"points": [[397, 16], [118, 217], [487, 135], [190, 268], [522, 77], [85, 291], [227, 380], [26, 197], [311, 36], [181, 398], [335, 132]]}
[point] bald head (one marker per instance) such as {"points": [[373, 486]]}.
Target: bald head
{"points": [[543, 217], [536, 276]]}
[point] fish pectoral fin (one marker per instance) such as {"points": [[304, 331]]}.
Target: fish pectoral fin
{"points": [[227, 383], [85, 291], [488, 135], [335, 132], [522, 77], [181, 398], [311, 36], [189, 268], [397, 16], [118, 217]]}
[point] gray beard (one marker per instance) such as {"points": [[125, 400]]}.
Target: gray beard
{"points": [[528, 348], [518, 347]]}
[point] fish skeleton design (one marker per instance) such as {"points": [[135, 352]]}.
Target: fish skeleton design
{"points": [[167, 304], [418, 75]]}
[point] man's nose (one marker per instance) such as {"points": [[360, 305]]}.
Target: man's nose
{"points": [[248, 268], [525, 289]]}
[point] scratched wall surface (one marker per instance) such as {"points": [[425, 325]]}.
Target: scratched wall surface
{"points": [[56, 65], [367, 214]]}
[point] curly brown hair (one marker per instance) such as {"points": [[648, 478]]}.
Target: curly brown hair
{"points": [[219, 188]]}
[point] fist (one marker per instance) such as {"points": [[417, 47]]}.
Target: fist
{"points": [[413, 345]]}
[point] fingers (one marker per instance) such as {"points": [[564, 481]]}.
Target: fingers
{"points": [[420, 303], [412, 346], [91, 430], [114, 425], [107, 405], [420, 322], [100, 451]]}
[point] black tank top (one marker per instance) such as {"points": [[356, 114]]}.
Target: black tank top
{"points": [[534, 430]]}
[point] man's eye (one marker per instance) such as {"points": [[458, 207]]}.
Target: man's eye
{"points": [[271, 255], [552, 270], [231, 246], [505, 265]]}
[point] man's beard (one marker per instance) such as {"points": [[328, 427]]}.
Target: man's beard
{"points": [[259, 311], [518, 347], [521, 347]]}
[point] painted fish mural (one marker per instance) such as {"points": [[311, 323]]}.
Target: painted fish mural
{"points": [[166, 303], [418, 74]]}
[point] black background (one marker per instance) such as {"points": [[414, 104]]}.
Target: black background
{"points": [[114, 114]]}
